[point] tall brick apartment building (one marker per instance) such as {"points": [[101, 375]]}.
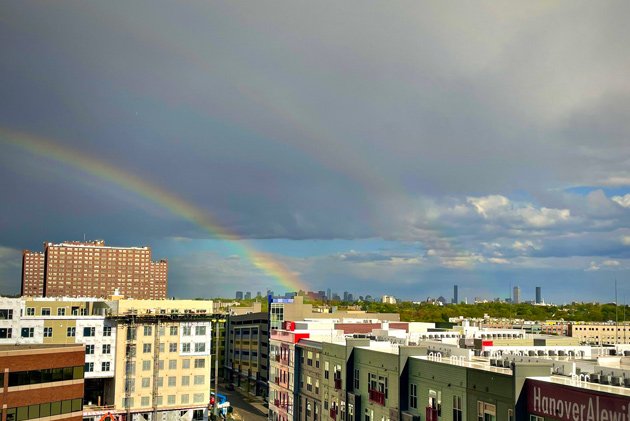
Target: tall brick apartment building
{"points": [[92, 269]]}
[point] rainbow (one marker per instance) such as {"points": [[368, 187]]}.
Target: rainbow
{"points": [[49, 149]]}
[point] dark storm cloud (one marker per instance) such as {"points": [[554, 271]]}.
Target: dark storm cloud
{"points": [[454, 125]]}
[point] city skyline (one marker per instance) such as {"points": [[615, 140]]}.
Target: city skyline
{"points": [[394, 150]]}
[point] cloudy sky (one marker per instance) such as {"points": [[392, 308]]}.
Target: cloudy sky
{"points": [[380, 148]]}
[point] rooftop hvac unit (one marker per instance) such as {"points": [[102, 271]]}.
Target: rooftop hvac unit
{"points": [[626, 381], [615, 380], [594, 378]]}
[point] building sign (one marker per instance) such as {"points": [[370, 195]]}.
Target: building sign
{"points": [[572, 404]]}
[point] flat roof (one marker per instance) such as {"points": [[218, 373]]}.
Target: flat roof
{"points": [[477, 363], [596, 387]]}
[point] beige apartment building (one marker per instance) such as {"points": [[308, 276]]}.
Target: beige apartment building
{"points": [[144, 359], [600, 333]]}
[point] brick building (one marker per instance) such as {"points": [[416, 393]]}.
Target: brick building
{"points": [[42, 381], [92, 269]]}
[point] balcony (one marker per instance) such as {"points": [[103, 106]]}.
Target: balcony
{"points": [[377, 397], [333, 413], [337, 384], [277, 358], [431, 414]]}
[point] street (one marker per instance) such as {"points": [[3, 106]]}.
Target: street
{"points": [[243, 409]]}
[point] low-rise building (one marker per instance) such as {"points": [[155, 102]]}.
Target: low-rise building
{"points": [[42, 381]]}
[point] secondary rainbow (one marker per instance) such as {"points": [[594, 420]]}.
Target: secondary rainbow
{"points": [[49, 149]]}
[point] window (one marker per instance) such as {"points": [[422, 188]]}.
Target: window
{"points": [[435, 401], [146, 365], [486, 411], [161, 346], [161, 364], [45, 311], [200, 363], [144, 401], [28, 332], [146, 348], [30, 311], [357, 377], [160, 381], [185, 347], [531, 418], [510, 415], [89, 367], [198, 398], [185, 363], [173, 330], [172, 364], [107, 349], [200, 330], [185, 380], [413, 396], [61, 311], [89, 331], [89, 349], [71, 331], [148, 330], [170, 399], [326, 370], [184, 398], [131, 333], [48, 332], [107, 331], [199, 379], [6, 314], [172, 381], [457, 408], [146, 382], [186, 330], [105, 366], [172, 347], [200, 347], [5, 332]]}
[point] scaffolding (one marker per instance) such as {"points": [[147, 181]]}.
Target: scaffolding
{"points": [[158, 320]]}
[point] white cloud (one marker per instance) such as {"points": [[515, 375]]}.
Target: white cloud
{"points": [[625, 240], [622, 200], [593, 267], [497, 207], [611, 263]]}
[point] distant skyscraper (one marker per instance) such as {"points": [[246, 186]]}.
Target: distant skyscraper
{"points": [[248, 295], [455, 297], [345, 295], [328, 294], [350, 298], [516, 295], [239, 295], [538, 295]]}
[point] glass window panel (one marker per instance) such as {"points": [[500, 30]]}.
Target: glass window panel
{"points": [[55, 408], [66, 406], [44, 409], [22, 413], [33, 411]]}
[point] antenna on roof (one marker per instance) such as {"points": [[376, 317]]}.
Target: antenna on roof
{"points": [[84, 237]]}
